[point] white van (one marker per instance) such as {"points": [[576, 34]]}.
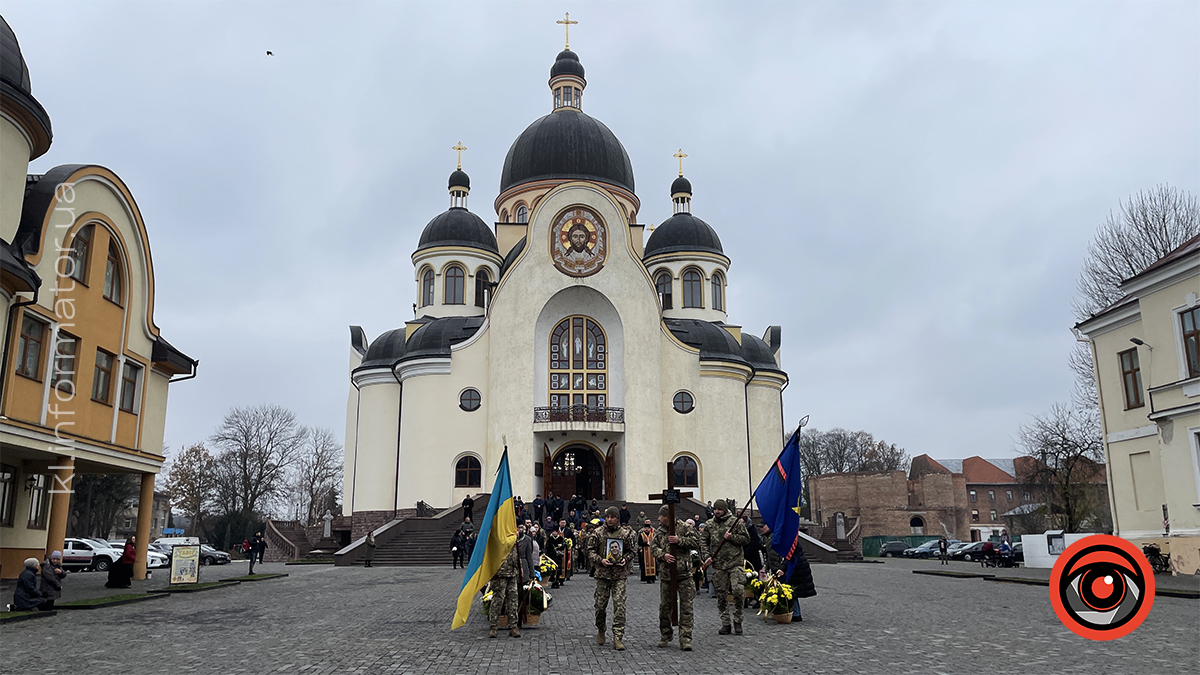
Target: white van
{"points": [[178, 541]]}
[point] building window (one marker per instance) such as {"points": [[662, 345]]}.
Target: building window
{"points": [[129, 383], [663, 286], [522, 214], [718, 292], [1008, 495], [469, 400], [453, 294], [916, 525], [974, 515], [103, 377], [1131, 378], [578, 364], [578, 98], [972, 493], [687, 472], [482, 288], [992, 513], [567, 97], [683, 403], [1027, 497], [78, 254], [467, 473], [1191, 340], [557, 97], [112, 274], [693, 289], [427, 288], [63, 376], [8, 494], [37, 503], [991, 495], [29, 347]]}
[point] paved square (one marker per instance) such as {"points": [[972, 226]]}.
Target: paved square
{"points": [[866, 619]]}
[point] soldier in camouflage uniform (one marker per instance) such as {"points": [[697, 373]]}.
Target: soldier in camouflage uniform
{"points": [[685, 539], [505, 585], [610, 574], [727, 577]]}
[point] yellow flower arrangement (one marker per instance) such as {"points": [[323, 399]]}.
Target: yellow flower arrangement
{"points": [[776, 598]]}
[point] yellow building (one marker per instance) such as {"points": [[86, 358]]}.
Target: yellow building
{"points": [[1147, 358], [84, 375]]}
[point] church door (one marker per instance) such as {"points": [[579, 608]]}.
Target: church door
{"points": [[578, 471]]}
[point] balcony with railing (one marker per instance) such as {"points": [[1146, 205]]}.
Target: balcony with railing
{"points": [[579, 418]]}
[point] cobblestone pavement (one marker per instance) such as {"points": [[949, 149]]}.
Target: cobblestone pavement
{"points": [[865, 619]]}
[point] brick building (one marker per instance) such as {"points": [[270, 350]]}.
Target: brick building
{"points": [[886, 503], [992, 488]]}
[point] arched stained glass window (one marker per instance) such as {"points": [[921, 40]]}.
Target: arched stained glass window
{"points": [[578, 364]]}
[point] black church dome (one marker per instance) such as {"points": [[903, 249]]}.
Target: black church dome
{"points": [[681, 185], [15, 86], [385, 351], [459, 178], [567, 144], [458, 227], [567, 63], [683, 232]]}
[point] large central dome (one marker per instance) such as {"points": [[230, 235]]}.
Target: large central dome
{"points": [[567, 144]]}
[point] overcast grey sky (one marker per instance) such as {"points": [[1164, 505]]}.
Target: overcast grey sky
{"points": [[907, 188]]}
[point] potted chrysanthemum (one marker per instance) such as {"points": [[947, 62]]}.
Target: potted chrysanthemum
{"points": [[776, 601]]}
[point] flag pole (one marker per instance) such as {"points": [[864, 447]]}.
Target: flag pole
{"points": [[749, 501]]}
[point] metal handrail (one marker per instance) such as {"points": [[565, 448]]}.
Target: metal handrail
{"points": [[579, 413]]}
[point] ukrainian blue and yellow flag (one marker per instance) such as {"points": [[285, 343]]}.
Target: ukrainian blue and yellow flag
{"points": [[497, 534]]}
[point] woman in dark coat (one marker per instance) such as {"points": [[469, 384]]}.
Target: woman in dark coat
{"points": [[120, 573], [52, 576], [27, 597], [370, 555], [801, 580]]}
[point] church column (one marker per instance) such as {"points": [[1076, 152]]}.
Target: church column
{"points": [[145, 511], [62, 476]]}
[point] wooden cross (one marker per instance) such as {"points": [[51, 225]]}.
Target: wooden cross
{"points": [[568, 23], [671, 497], [460, 147], [679, 155]]}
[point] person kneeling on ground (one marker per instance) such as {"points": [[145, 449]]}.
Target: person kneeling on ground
{"points": [[27, 597]]}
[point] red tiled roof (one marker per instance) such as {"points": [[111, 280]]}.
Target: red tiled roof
{"points": [[979, 470]]}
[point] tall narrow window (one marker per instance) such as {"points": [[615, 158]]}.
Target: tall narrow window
{"points": [[578, 365], [129, 383], [37, 502], [992, 513], [718, 292], [1131, 378], [567, 97], [522, 214], [63, 377], [557, 98], [578, 98], [79, 254], [29, 347], [467, 473], [102, 379], [687, 472], [1191, 340], [427, 288], [991, 495], [112, 274], [454, 285], [8, 494], [693, 289], [482, 288], [663, 285]]}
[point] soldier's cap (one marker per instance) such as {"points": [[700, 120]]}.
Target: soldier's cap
{"points": [[664, 510], [720, 504], [612, 511]]}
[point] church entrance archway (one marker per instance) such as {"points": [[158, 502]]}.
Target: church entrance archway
{"points": [[577, 470]]}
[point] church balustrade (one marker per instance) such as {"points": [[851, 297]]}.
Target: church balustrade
{"points": [[579, 413]]}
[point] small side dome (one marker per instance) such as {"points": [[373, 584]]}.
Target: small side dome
{"points": [[681, 185], [758, 353], [683, 232], [435, 338], [715, 343], [385, 351], [567, 63], [459, 179], [458, 227], [17, 89]]}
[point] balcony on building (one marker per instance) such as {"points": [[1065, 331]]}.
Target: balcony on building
{"points": [[579, 418]]}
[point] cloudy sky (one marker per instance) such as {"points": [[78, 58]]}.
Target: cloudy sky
{"points": [[908, 189]]}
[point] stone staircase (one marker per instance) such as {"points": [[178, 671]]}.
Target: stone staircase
{"points": [[846, 550], [286, 541]]}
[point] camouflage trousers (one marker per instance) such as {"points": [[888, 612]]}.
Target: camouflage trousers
{"points": [[727, 583], [687, 595], [504, 600], [616, 589]]}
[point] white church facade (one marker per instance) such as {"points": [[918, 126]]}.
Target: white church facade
{"points": [[596, 355]]}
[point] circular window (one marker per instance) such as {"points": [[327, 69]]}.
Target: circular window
{"points": [[469, 400], [684, 403]]}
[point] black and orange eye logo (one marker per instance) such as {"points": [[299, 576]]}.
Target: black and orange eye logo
{"points": [[1102, 587]]}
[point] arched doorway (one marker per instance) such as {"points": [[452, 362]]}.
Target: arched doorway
{"points": [[577, 470]]}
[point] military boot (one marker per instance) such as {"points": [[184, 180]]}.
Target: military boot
{"points": [[685, 644], [600, 637], [492, 632], [725, 630], [664, 641], [514, 632], [737, 629], [618, 645]]}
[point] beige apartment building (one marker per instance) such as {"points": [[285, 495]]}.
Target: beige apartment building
{"points": [[1147, 360]]}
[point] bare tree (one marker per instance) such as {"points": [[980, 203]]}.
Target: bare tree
{"points": [[258, 446], [190, 479], [98, 500], [317, 477], [1067, 468], [1151, 224]]}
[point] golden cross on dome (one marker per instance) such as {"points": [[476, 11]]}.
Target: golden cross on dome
{"points": [[460, 147], [679, 155], [567, 22]]}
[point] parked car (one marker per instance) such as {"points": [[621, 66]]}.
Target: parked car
{"points": [[892, 549], [211, 556], [78, 554], [1018, 552], [927, 550], [956, 546], [88, 554], [970, 553]]}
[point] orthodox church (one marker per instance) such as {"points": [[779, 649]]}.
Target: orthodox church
{"points": [[598, 357]]}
